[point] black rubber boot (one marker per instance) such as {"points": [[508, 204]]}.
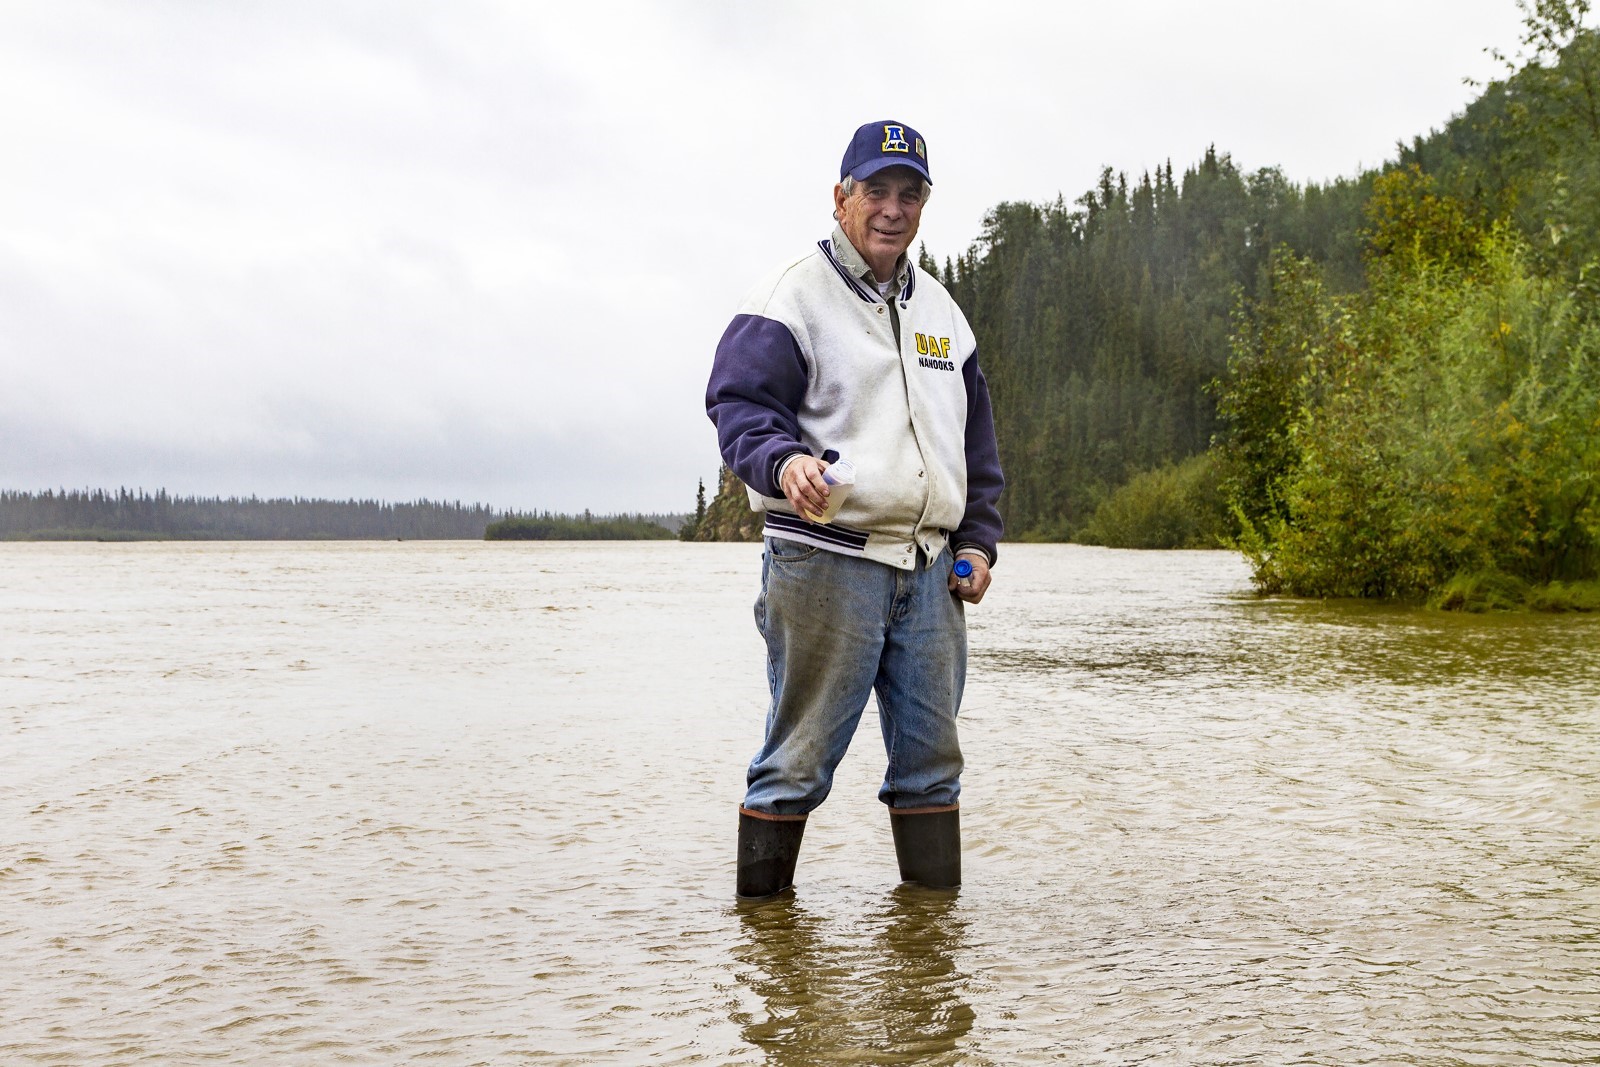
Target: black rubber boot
{"points": [[768, 848], [928, 846]]}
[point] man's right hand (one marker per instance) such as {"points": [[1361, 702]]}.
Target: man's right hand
{"points": [[804, 488]]}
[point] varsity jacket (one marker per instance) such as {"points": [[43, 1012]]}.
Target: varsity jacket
{"points": [[811, 364]]}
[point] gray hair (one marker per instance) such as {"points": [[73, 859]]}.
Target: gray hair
{"points": [[848, 185]]}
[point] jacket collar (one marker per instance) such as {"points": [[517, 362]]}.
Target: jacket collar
{"points": [[855, 272]]}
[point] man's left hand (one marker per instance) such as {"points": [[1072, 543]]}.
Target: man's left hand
{"points": [[975, 586]]}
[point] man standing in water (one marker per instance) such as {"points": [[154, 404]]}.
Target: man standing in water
{"points": [[849, 352]]}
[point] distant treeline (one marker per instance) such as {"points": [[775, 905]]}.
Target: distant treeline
{"points": [[548, 526], [135, 515]]}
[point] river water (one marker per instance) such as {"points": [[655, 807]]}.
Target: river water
{"points": [[462, 803]]}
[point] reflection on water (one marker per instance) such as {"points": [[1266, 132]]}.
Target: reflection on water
{"points": [[886, 990], [476, 803]]}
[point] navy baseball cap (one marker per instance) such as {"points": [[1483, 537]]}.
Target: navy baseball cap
{"points": [[885, 144]]}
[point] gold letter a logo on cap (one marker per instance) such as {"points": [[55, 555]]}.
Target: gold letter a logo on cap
{"points": [[894, 139]]}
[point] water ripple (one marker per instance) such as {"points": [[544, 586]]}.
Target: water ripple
{"points": [[463, 804]]}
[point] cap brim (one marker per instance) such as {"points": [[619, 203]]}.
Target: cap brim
{"points": [[873, 166]]}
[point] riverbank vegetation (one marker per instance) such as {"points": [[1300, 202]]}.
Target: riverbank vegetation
{"points": [[1177, 505], [1376, 387]]}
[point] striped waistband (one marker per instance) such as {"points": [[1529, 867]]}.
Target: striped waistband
{"points": [[832, 536]]}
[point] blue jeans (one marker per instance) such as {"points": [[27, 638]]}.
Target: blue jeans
{"points": [[839, 628]]}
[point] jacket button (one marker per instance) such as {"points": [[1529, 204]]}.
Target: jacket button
{"points": [[919, 474], [880, 309]]}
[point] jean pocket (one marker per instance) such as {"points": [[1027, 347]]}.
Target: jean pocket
{"points": [[783, 550]]}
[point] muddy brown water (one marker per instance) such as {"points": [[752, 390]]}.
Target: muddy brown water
{"points": [[460, 803]]}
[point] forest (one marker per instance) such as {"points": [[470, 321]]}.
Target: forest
{"points": [[1384, 386], [135, 515], [547, 526]]}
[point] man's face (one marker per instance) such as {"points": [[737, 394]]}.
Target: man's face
{"points": [[880, 216]]}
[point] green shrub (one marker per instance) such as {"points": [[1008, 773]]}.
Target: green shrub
{"points": [[1481, 591], [1492, 591], [1173, 506], [1565, 596]]}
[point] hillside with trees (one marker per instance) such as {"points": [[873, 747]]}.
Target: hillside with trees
{"points": [[1101, 323], [727, 518]]}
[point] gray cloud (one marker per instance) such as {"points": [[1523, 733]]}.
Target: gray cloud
{"points": [[483, 250]]}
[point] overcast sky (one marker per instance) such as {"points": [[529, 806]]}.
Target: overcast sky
{"points": [[482, 250]]}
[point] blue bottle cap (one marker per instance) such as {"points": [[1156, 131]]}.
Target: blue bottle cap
{"points": [[963, 568]]}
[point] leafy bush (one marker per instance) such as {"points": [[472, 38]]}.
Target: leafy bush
{"points": [[1173, 506]]}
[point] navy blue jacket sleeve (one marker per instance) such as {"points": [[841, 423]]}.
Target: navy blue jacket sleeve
{"points": [[758, 381], [980, 526]]}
